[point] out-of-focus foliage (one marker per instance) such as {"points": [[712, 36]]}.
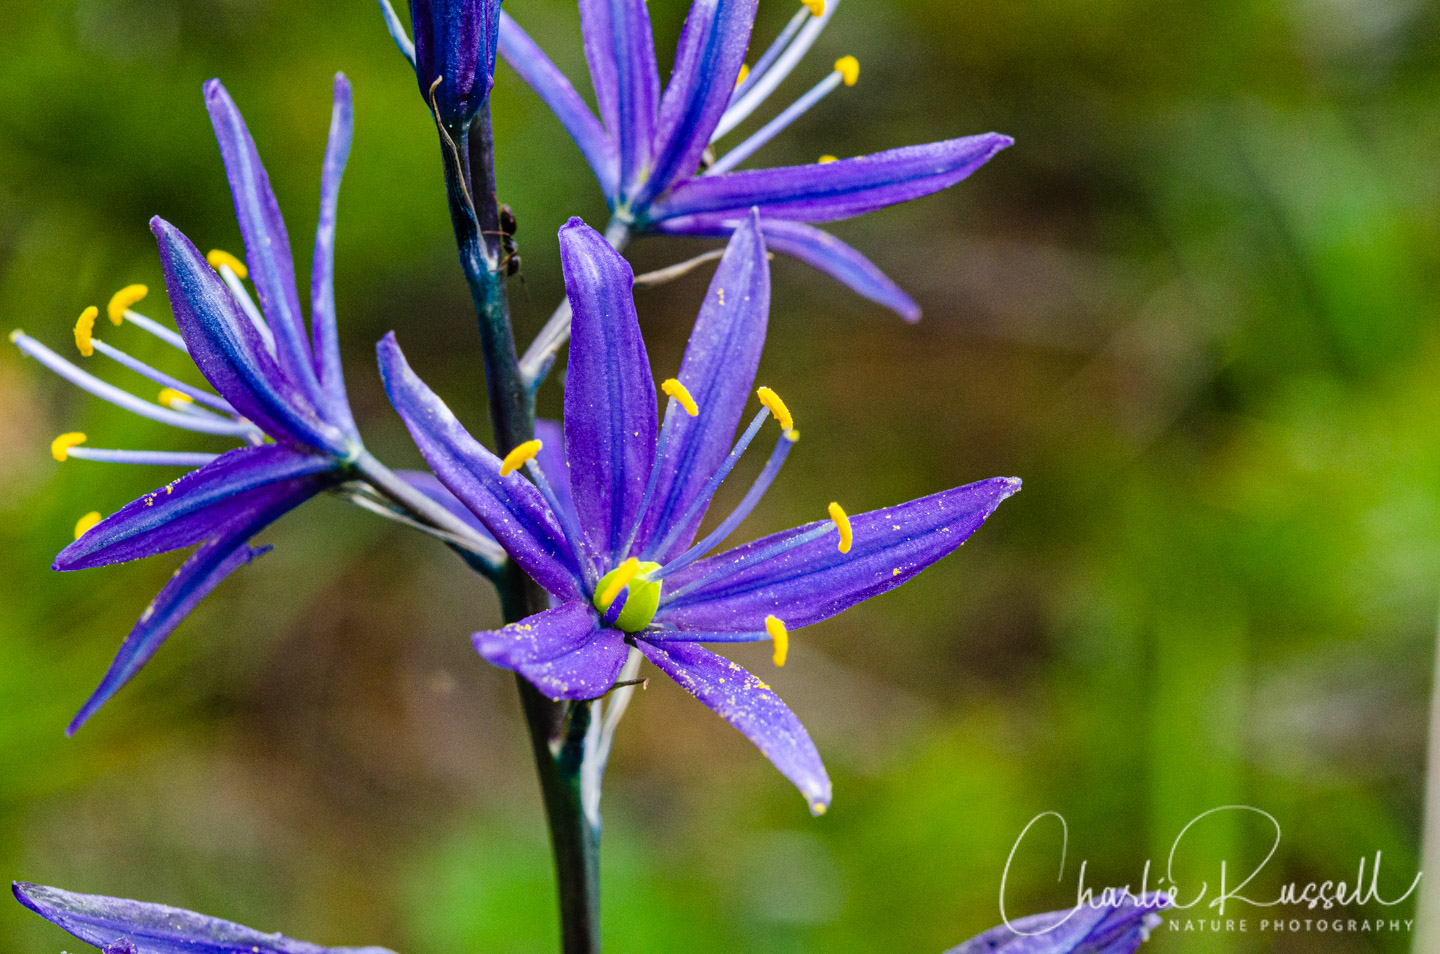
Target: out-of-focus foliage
{"points": [[1195, 307]]}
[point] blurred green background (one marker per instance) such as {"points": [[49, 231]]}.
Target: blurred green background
{"points": [[1195, 308]]}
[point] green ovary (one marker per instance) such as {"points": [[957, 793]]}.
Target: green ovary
{"points": [[642, 599]]}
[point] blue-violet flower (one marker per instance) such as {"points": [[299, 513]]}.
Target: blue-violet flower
{"points": [[453, 53]]}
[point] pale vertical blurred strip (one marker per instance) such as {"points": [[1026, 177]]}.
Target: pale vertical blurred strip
{"points": [[1427, 917]]}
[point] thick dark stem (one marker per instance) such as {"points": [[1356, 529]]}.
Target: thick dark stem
{"points": [[557, 730]]}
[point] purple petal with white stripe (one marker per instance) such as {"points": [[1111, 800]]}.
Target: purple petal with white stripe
{"points": [[814, 581], [620, 49], [750, 706], [510, 507], [188, 510], [718, 369], [324, 334], [609, 391], [118, 924], [564, 652], [1113, 929], [555, 90], [823, 192]]}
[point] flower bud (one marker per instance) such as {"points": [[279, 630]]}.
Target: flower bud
{"points": [[455, 43]]}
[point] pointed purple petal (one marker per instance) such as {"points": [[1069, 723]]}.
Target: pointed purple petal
{"points": [[1119, 929], [267, 243], [707, 62], [510, 507], [201, 573], [228, 351], [620, 49], [157, 928], [553, 87], [609, 391], [814, 581], [718, 370], [751, 707], [188, 510], [563, 651], [835, 190], [429, 485], [324, 333]]}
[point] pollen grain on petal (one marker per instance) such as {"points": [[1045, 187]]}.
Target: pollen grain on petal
{"points": [[777, 407], [842, 523], [849, 69], [172, 398], [123, 300], [781, 636], [219, 256], [85, 523], [679, 392], [817, 7], [518, 457], [60, 446], [85, 330]]}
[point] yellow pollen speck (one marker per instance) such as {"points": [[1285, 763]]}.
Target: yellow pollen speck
{"points": [[818, 808], [895, 572], [777, 407], [849, 69], [624, 573], [744, 72], [842, 523], [826, 159], [60, 446], [218, 257], [518, 457], [681, 393], [817, 7], [84, 329], [781, 636], [171, 397], [83, 525], [122, 300]]}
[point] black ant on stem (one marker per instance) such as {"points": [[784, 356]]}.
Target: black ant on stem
{"points": [[509, 248]]}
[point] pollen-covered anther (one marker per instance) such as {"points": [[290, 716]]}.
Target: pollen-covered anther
{"points": [[123, 300], [826, 159], [772, 401], [780, 636], [679, 392], [175, 400], [519, 457], [849, 69], [60, 446], [85, 523], [744, 72], [218, 257], [85, 330], [817, 7], [842, 523]]}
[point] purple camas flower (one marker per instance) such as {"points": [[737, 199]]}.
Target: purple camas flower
{"points": [[280, 393], [654, 155], [118, 926], [608, 526], [453, 53]]}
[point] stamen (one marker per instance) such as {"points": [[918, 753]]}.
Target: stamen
{"points": [[160, 377], [566, 517], [768, 58], [817, 7], [744, 72], [155, 458], [60, 446], [84, 329], [777, 407], [121, 301], [747, 504], [842, 523], [247, 304], [808, 28], [747, 561], [109, 392], [518, 457], [219, 257], [680, 393], [781, 636], [847, 71], [86, 523], [155, 328], [620, 579], [825, 160], [661, 444]]}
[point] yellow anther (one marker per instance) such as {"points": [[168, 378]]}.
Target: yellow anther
{"points": [[819, 808], [218, 257], [16, 335], [84, 329], [781, 636], [842, 523], [777, 407], [60, 446], [849, 69], [827, 159], [124, 299], [83, 525], [624, 573], [171, 397], [744, 72], [817, 7], [518, 457], [681, 393]]}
